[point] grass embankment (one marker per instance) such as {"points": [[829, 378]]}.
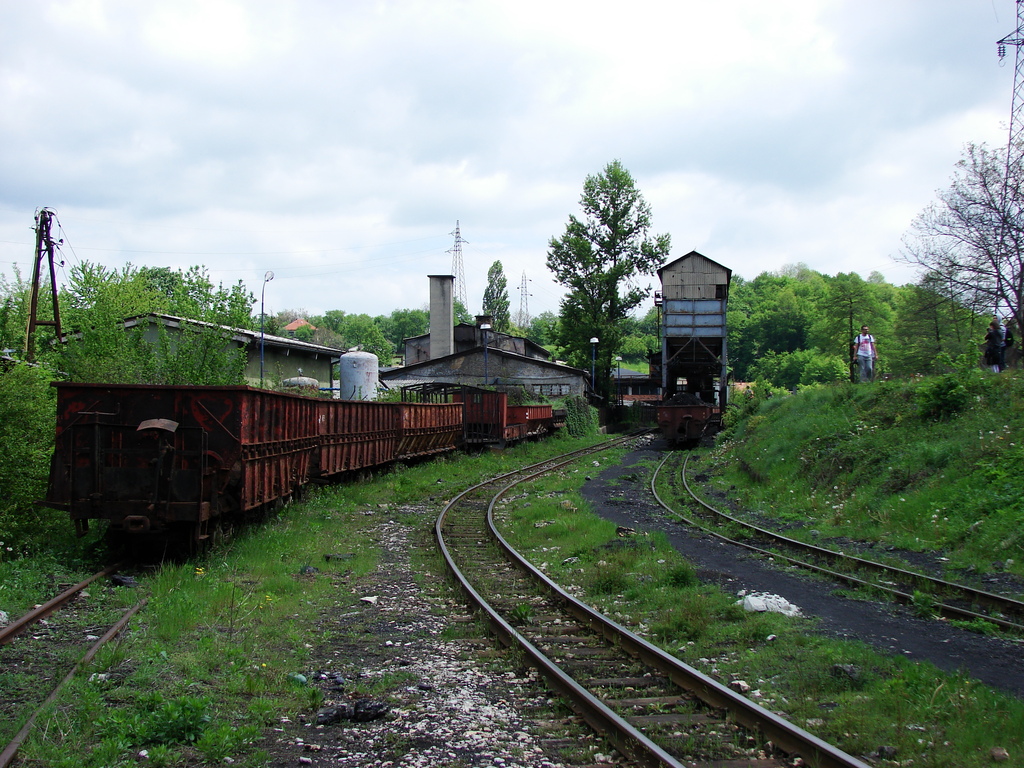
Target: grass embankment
{"points": [[933, 464], [842, 691]]}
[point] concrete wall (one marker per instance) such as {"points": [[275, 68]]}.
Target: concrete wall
{"points": [[549, 380]]}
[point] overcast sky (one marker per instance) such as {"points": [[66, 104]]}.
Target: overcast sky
{"points": [[338, 142]]}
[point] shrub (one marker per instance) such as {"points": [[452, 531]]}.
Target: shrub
{"points": [[947, 394], [27, 428], [579, 417]]}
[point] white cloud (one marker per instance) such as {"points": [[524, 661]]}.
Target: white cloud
{"points": [[338, 143]]}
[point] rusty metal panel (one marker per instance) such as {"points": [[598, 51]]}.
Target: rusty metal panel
{"points": [[278, 436], [428, 428], [685, 423], [356, 434], [513, 433], [486, 415]]}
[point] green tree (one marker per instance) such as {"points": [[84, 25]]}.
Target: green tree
{"points": [[100, 348], [772, 313], [14, 301], [598, 259], [849, 303], [362, 330], [635, 349], [27, 408], [191, 294], [461, 314], [543, 329], [973, 235], [496, 302], [930, 322], [405, 324]]}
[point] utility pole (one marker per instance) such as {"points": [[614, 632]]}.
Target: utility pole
{"points": [[44, 246], [457, 270], [1013, 146]]}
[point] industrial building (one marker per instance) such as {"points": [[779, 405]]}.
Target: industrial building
{"points": [[475, 355]]}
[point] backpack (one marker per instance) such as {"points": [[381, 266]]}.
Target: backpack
{"points": [[1008, 338]]}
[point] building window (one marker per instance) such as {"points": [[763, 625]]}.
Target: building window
{"points": [[551, 390]]}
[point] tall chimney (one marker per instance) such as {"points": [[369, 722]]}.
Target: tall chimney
{"points": [[442, 326]]}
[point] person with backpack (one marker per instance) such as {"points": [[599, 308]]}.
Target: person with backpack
{"points": [[866, 352], [994, 339]]}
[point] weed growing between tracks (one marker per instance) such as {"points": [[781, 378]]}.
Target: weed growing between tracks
{"points": [[223, 650], [841, 690]]}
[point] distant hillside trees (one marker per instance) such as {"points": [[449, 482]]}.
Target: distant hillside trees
{"points": [[795, 326], [359, 330]]}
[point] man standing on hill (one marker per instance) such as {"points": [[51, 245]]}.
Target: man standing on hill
{"points": [[864, 348]]}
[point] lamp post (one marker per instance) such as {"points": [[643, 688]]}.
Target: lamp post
{"points": [[593, 363], [263, 292], [618, 380], [485, 328]]}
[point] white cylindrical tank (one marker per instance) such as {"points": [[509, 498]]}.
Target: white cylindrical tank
{"points": [[357, 372]]}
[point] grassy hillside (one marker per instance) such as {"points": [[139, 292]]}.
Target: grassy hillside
{"points": [[926, 464]]}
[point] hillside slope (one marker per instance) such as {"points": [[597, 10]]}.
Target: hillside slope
{"points": [[928, 465]]}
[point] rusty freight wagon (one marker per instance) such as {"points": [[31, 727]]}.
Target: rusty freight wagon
{"points": [[487, 417], [174, 462], [685, 424]]}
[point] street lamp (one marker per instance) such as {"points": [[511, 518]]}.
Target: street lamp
{"points": [[593, 363], [485, 328], [618, 376], [263, 292]]}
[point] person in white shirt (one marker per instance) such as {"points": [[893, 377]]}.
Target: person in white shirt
{"points": [[866, 350]]}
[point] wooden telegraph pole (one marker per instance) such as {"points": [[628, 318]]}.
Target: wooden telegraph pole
{"points": [[44, 246]]}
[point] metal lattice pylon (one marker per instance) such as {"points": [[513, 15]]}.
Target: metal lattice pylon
{"points": [[1017, 102], [457, 268], [523, 319], [1013, 145]]}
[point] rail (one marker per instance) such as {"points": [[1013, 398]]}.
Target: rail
{"points": [[599, 711], [1002, 604]]}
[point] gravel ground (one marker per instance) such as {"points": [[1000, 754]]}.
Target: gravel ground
{"points": [[451, 702], [888, 628]]}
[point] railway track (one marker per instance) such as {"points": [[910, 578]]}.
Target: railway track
{"points": [[652, 707], [39, 653], [948, 599]]}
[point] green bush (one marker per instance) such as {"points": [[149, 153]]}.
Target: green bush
{"points": [[180, 720], [579, 418], [947, 394], [27, 428]]}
